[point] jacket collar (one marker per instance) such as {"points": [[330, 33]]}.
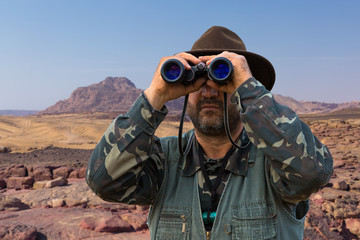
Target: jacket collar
{"points": [[237, 163]]}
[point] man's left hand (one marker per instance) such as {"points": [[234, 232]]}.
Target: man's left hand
{"points": [[240, 75]]}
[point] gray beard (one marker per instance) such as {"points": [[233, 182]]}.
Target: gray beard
{"points": [[211, 123]]}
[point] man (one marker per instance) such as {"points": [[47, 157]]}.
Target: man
{"points": [[215, 191]]}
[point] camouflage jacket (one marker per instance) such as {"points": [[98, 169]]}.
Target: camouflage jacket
{"points": [[128, 165]]}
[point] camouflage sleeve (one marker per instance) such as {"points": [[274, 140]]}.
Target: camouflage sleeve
{"points": [[127, 164], [299, 164]]}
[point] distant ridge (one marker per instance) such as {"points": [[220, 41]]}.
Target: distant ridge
{"points": [[18, 112], [306, 107], [117, 94], [114, 94]]}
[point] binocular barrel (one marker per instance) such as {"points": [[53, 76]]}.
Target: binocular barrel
{"points": [[220, 71]]}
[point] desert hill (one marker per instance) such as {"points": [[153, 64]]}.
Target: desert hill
{"points": [[313, 107], [117, 94], [114, 94]]}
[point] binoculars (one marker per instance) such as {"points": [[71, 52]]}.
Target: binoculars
{"points": [[220, 71]]}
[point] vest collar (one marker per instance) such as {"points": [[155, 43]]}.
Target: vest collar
{"points": [[237, 164]]}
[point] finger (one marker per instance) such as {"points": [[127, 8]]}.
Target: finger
{"points": [[185, 58], [207, 59]]}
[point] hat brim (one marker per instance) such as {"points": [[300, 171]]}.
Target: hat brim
{"points": [[260, 67]]}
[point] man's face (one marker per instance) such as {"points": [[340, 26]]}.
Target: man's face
{"points": [[205, 109]]}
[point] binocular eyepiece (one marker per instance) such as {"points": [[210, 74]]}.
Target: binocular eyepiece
{"points": [[220, 71]]}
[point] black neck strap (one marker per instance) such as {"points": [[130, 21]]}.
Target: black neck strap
{"points": [[218, 177]]}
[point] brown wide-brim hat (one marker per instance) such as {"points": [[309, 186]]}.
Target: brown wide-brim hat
{"points": [[218, 39]]}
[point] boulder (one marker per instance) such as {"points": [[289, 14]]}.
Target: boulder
{"points": [[18, 171], [78, 173], [62, 172], [18, 232], [41, 173], [82, 172], [60, 181], [341, 185], [9, 203], [2, 184], [39, 185], [112, 224], [137, 221], [343, 207], [353, 225], [19, 182], [89, 223], [355, 186], [74, 173], [58, 202]]}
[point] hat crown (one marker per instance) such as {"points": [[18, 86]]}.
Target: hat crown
{"points": [[217, 38]]}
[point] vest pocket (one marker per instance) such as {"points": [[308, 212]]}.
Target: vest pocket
{"points": [[254, 220], [174, 225]]}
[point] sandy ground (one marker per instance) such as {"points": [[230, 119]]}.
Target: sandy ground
{"points": [[76, 131], [68, 139]]}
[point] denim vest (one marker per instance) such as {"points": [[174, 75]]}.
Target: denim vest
{"points": [[248, 209]]}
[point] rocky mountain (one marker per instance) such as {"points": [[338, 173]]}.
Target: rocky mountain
{"points": [[314, 107], [114, 94], [117, 94], [111, 94]]}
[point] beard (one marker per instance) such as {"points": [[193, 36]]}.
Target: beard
{"points": [[211, 123]]}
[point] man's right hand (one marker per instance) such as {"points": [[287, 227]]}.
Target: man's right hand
{"points": [[160, 92]]}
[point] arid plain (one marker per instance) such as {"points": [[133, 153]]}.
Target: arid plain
{"points": [[62, 214], [80, 131]]}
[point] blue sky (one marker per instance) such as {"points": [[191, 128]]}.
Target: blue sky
{"points": [[50, 48]]}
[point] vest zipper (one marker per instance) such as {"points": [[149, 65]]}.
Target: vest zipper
{"points": [[183, 229], [208, 235]]}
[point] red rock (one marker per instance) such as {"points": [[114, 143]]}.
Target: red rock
{"points": [[42, 173], [317, 199], [78, 173], [137, 221], [39, 185], [9, 203], [74, 174], [343, 207], [2, 184], [18, 232], [317, 225], [89, 223], [339, 163], [113, 224], [60, 181], [64, 223], [355, 186], [19, 182], [82, 172], [18, 171], [353, 225], [62, 172], [341, 185]]}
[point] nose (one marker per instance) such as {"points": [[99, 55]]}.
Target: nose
{"points": [[208, 92]]}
